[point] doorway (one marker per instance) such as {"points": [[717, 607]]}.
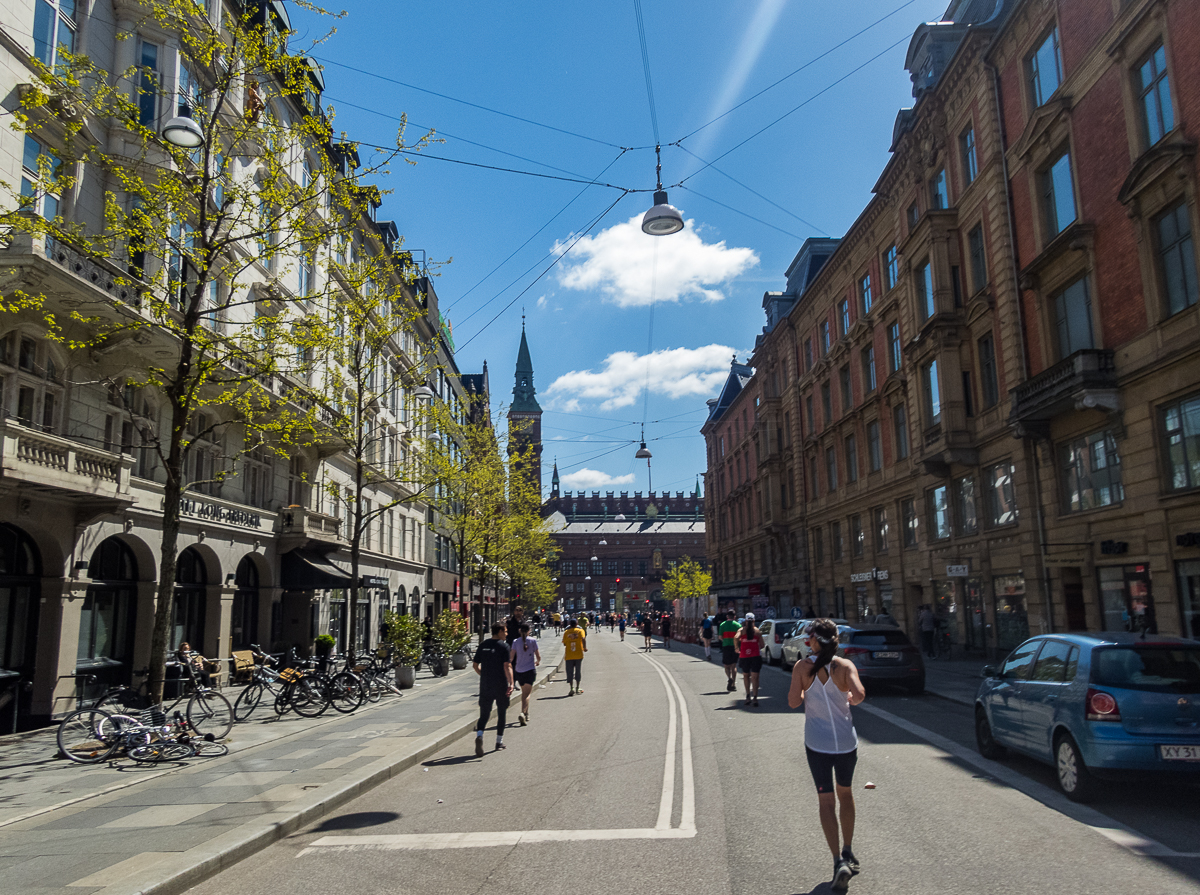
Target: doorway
{"points": [[20, 592]]}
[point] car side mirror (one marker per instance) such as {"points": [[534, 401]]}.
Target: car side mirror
{"points": [[990, 671]]}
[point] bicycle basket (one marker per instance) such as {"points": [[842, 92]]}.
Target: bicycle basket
{"points": [[153, 716], [290, 675]]}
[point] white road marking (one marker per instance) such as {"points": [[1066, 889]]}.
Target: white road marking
{"points": [[661, 830]]}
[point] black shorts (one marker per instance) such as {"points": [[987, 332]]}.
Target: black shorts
{"points": [[729, 655], [750, 665], [525, 678], [825, 765]]}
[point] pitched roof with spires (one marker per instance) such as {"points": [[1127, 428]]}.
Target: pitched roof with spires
{"points": [[524, 393]]}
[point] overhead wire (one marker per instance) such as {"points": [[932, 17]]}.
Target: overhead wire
{"points": [[738, 211], [641, 26]]}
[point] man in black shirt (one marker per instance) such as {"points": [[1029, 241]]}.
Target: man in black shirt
{"points": [[495, 672], [513, 628]]}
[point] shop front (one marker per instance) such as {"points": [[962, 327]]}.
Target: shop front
{"points": [[20, 591], [872, 592]]}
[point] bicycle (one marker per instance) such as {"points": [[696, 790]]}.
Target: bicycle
{"points": [[89, 736], [207, 711], [263, 681], [941, 644]]}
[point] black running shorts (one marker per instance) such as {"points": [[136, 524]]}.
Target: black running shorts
{"points": [[825, 765], [525, 678], [750, 664], [729, 655]]}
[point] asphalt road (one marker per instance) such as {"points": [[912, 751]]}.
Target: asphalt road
{"points": [[656, 780]]}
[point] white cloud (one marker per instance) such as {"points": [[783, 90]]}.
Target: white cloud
{"points": [[541, 302], [621, 262], [583, 479], [674, 372]]}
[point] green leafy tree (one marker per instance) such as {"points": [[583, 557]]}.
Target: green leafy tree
{"points": [[686, 579]]}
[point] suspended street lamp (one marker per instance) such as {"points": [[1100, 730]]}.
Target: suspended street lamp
{"points": [[644, 454], [664, 218], [184, 132]]}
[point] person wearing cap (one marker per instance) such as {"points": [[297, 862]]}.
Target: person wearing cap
{"points": [[749, 642], [728, 632], [575, 642]]}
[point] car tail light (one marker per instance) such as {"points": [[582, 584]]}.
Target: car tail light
{"points": [[778, 639], [1101, 706], [855, 651]]}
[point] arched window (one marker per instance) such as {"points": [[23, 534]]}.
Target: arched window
{"points": [[244, 623], [191, 580], [106, 623], [20, 573]]}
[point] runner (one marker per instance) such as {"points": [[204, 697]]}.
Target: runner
{"points": [[525, 658], [648, 630], [492, 664], [575, 642], [621, 625], [750, 646], [583, 623], [728, 631], [666, 630], [612, 622], [706, 635], [830, 741]]}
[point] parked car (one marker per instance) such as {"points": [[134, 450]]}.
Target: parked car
{"points": [[774, 631], [1095, 706], [883, 654], [794, 649]]}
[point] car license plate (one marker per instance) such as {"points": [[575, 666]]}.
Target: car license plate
{"points": [[885, 655], [1180, 753]]}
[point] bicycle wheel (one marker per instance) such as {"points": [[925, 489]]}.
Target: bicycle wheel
{"points": [[247, 701], [308, 697], [373, 687], [206, 749], [346, 692], [162, 750], [122, 701], [81, 739], [210, 712], [283, 700]]}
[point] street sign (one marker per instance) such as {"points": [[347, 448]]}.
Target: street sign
{"points": [[797, 612], [958, 571]]}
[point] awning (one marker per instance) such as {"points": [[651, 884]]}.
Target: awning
{"points": [[305, 570]]}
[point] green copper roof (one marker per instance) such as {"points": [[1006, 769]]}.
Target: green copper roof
{"points": [[524, 393]]}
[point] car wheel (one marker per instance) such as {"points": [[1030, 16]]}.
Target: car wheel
{"points": [[988, 747], [1074, 779]]}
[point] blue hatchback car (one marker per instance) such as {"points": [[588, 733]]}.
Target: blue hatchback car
{"points": [[1095, 705]]}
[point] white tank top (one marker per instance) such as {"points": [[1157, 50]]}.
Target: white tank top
{"points": [[828, 726]]}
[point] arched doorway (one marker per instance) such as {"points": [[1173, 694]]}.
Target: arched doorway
{"points": [[106, 621], [20, 592], [244, 624], [191, 597]]}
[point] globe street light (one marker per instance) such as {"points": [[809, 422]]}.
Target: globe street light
{"points": [[183, 131]]}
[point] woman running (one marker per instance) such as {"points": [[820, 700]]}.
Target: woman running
{"points": [[647, 629], [827, 685], [749, 644], [525, 658], [621, 625]]}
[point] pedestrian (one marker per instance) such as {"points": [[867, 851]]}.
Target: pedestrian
{"points": [[666, 630], [827, 685], [525, 657], [494, 667], [729, 653], [621, 625], [648, 630], [575, 642], [926, 625], [749, 642], [810, 612], [706, 636], [512, 629], [612, 623], [583, 623]]}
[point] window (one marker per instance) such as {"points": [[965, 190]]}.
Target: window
{"points": [[967, 510], [1001, 494], [1091, 473], [857, 536], [979, 275], [1045, 69], [968, 394], [881, 530], [924, 282], [818, 545], [1073, 318], [1058, 196], [900, 423], [868, 362], [1177, 257], [966, 150], [939, 513], [851, 458], [895, 354], [843, 317], [1154, 92], [808, 414], [39, 169], [938, 197], [864, 294], [874, 446], [256, 481], [814, 488], [914, 215], [891, 268], [826, 338], [908, 509], [831, 468], [54, 32], [808, 355], [835, 531], [827, 402], [1020, 660], [988, 380], [1182, 423], [148, 84], [1056, 663], [847, 393], [933, 394]]}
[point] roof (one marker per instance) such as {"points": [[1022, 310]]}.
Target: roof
{"points": [[739, 375], [524, 394], [560, 525]]}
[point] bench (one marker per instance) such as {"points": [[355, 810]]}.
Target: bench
{"points": [[243, 665]]}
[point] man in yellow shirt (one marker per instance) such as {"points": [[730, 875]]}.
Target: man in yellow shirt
{"points": [[583, 624], [575, 642]]}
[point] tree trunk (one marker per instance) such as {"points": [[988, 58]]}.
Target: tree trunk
{"points": [[165, 598]]}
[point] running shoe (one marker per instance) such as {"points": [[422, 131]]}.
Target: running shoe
{"points": [[841, 875], [571, 692], [851, 861], [731, 686], [521, 718], [479, 747], [579, 690], [500, 745]]}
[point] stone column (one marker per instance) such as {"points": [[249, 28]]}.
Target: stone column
{"points": [[218, 621], [144, 625], [58, 643], [267, 598]]}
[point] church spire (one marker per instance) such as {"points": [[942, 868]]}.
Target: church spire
{"points": [[524, 394], [554, 481]]}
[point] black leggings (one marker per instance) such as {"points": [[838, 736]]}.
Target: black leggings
{"points": [[574, 671], [824, 765], [485, 711]]}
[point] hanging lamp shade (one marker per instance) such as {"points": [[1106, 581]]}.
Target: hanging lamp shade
{"points": [[594, 558], [423, 393], [602, 543], [663, 218], [184, 132], [643, 453]]}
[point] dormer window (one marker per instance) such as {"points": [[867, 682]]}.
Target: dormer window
{"points": [[1045, 69]]}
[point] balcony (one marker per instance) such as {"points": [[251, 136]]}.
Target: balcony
{"points": [[1087, 380], [301, 527], [49, 463]]}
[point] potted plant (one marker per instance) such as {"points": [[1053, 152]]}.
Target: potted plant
{"points": [[449, 637], [407, 637], [323, 647]]}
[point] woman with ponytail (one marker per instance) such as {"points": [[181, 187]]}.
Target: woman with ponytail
{"points": [[525, 657], [827, 685]]}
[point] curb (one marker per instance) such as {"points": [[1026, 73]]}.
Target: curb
{"points": [[194, 866]]}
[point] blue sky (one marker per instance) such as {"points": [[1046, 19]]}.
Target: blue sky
{"points": [[620, 311]]}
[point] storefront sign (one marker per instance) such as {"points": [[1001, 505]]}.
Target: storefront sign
{"points": [[1188, 539], [1114, 548], [873, 575], [958, 571], [218, 513], [372, 581]]}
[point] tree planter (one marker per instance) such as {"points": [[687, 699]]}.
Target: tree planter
{"points": [[459, 660], [406, 677]]}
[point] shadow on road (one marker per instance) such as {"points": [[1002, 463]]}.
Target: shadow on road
{"points": [[357, 821], [452, 760]]}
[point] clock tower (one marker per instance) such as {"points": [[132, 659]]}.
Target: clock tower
{"points": [[525, 416]]}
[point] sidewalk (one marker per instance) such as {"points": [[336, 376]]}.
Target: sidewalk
{"points": [[125, 828]]}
